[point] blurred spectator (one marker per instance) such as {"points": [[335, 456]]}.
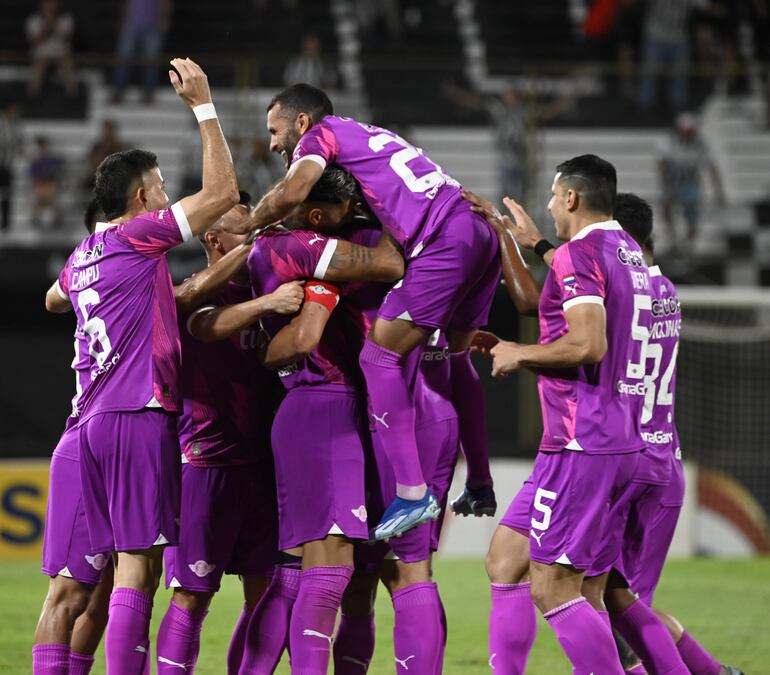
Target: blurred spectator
{"points": [[716, 31], [309, 66], [515, 123], [45, 172], [50, 36], [380, 17], [682, 160], [259, 170], [665, 42], [759, 22], [107, 143], [145, 23], [10, 149]]}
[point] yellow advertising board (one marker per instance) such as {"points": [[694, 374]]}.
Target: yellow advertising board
{"points": [[23, 496]]}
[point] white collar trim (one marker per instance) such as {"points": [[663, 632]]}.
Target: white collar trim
{"points": [[605, 225], [101, 227], [655, 271]]}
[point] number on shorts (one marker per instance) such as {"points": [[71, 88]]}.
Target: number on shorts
{"points": [[94, 326], [546, 510]]}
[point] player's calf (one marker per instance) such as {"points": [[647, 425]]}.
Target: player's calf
{"points": [[67, 599]]}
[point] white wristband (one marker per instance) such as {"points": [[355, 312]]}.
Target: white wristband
{"points": [[205, 111]]}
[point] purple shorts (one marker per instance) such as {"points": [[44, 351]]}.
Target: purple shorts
{"points": [[130, 472], [649, 532], [451, 282], [439, 445], [228, 525], [66, 547], [319, 438], [564, 506]]}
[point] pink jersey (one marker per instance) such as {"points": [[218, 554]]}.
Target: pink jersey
{"points": [[279, 256], [658, 427], [119, 284], [597, 408], [227, 392], [407, 192]]}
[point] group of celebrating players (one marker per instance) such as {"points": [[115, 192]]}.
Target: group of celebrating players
{"points": [[358, 285]]}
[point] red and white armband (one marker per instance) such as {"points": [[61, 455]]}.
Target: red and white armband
{"points": [[322, 293]]}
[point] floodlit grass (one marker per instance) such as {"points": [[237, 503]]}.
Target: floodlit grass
{"points": [[723, 603]]}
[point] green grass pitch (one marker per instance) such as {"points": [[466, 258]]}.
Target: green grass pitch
{"points": [[725, 604]]}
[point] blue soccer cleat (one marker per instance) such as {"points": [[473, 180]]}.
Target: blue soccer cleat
{"points": [[475, 502], [404, 514]]}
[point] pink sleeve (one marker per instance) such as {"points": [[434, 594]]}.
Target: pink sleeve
{"points": [[155, 232], [300, 255], [64, 278], [578, 276], [319, 145]]}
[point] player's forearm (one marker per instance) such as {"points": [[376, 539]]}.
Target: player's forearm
{"points": [[223, 322], [299, 338], [218, 179], [54, 302], [567, 352], [193, 292], [518, 279], [351, 262]]}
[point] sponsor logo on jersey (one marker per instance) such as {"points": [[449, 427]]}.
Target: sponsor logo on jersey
{"points": [[665, 329], [635, 389], [666, 306], [570, 284], [107, 365], [86, 257], [632, 258], [436, 355], [658, 437], [288, 370]]}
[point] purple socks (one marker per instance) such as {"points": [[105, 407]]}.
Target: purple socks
{"points": [[238, 642], [646, 634], [312, 622], [585, 638], [127, 644], [267, 634], [468, 399], [512, 627], [418, 633], [393, 416], [50, 659], [80, 664], [179, 639], [353, 645], [697, 659]]}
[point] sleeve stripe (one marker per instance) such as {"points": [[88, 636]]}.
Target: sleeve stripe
{"points": [[313, 158], [181, 220], [61, 293], [326, 257], [200, 310], [582, 300]]}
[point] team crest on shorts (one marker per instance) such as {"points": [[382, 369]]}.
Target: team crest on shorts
{"points": [[201, 568], [98, 561], [360, 513]]}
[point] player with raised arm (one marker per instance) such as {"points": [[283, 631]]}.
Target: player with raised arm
{"points": [[594, 312], [224, 436], [451, 275], [118, 282]]}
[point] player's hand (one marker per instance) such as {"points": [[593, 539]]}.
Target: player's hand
{"points": [[523, 228], [486, 209], [287, 298], [190, 82], [506, 358], [483, 342]]}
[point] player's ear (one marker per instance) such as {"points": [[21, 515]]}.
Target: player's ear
{"points": [[316, 216], [573, 199], [303, 122]]}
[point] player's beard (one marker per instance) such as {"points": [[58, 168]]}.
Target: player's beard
{"points": [[287, 150]]}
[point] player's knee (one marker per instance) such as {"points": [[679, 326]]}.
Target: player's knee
{"points": [[593, 591], [503, 568], [541, 595], [68, 596], [673, 626], [192, 601]]}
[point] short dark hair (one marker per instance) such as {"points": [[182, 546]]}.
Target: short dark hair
{"points": [[244, 199], [594, 178], [635, 216], [334, 186], [303, 98], [92, 215], [115, 176]]}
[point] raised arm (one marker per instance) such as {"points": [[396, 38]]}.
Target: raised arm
{"points": [[351, 262], [56, 301], [210, 324], [302, 335], [220, 187]]}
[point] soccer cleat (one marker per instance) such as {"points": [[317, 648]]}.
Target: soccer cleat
{"points": [[476, 502], [404, 514]]}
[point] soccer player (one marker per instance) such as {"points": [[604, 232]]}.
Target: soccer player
{"points": [[74, 613], [118, 282], [450, 280], [321, 496], [227, 463], [590, 368]]}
